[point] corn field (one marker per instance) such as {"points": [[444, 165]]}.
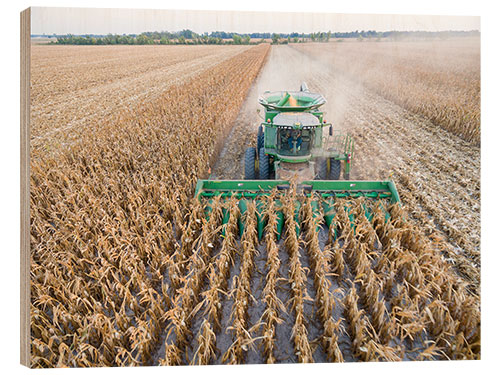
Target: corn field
{"points": [[107, 212], [127, 269]]}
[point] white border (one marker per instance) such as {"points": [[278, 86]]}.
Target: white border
{"points": [[9, 149]]}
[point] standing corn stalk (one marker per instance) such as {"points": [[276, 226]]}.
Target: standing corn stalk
{"points": [[273, 303], [369, 331], [181, 314], [241, 293], [218, 276], [325, 301], [297, 278]]}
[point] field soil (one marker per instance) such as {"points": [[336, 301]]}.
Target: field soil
{"points": [[437, 173]]}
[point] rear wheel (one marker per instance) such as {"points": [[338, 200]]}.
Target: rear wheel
{"points": [[263, 165], [260, 139], [321, 169], [335, 168], [250, 163]]}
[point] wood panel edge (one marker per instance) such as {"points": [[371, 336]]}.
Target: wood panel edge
{"points": [[25, 61]]}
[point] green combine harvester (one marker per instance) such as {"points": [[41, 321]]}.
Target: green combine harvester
{"points": [[291, 140], [297, 150]]}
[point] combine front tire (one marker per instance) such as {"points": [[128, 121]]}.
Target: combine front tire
{"points": [[263, 165], [321, 169], [260, 139], [335, 169], [250, 163]]}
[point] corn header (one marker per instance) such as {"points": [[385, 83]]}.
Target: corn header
{"points": [[299, 155]]}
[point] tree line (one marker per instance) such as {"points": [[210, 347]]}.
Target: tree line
{"points": [[221, 37]]}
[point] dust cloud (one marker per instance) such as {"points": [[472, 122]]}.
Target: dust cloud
{"points": [[437, 173], [285, 70]]}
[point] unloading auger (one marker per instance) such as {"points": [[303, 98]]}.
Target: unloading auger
{"points": [[295, 154]]}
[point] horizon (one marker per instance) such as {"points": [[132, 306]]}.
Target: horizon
{"points": [[119, 21], [265, 32]]}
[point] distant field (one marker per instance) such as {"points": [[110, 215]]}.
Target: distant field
{"points": [[77, 87], [42, 40], [439, 79]]}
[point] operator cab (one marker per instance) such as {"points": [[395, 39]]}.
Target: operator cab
{"points": [[295, 133], [294, 142]]}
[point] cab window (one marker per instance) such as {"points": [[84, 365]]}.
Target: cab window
{"points": [[294, 142]]}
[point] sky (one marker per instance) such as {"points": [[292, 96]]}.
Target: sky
{"points": [[49, 20]]}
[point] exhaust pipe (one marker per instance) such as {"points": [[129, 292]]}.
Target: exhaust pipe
{"points": [[303, 87]]}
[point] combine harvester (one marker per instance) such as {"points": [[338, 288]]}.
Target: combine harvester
{"points": [[295, 157]]}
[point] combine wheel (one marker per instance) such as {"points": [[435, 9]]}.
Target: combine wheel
{"points": [[263, 165], [335, 168], [321, 169], [250, 163], [260, 139]]}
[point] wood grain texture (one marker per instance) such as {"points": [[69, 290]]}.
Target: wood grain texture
{"points": [[25, 173]]}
